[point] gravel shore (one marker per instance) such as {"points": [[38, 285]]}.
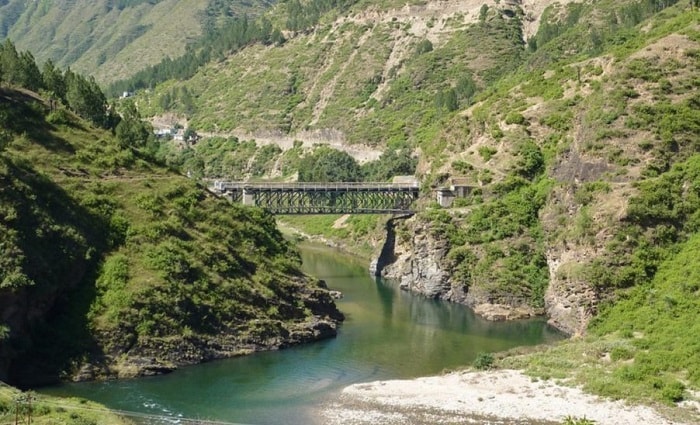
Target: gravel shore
{"points": [[490, 397]]}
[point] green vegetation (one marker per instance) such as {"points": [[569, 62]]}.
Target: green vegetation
{"points": [[644, 346], [483, 361], [329, 165], [578, 421], [26, 407], [141, 256], [581, 144], [82, 95], [113, 40], [354, 233]]}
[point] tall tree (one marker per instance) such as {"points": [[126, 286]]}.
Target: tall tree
{"points": [[53, 80], [85, 98], [30, 76], [19, 68], [131, 130], [9, 63]]}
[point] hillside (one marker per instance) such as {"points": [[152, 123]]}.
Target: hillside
{"points": [[110, 39], [574, 125], [115, 266]]}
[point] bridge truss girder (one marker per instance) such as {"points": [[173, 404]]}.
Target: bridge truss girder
{"points": [[327, 200], [334, 201]]}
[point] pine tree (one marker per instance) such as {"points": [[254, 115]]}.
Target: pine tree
{"points": [[53, 80]]}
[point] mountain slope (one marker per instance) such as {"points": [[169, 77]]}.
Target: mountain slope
{"points": [[114, 266], [366, 77], [109, 39], [551, 132]]}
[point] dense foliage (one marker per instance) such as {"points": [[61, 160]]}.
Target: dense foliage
{"points": [[662, 314], [133, 252], [329, 165]]}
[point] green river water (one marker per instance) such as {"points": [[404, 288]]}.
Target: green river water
{"points": [[388, 334]]}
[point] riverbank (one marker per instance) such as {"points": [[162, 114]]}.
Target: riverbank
{"points": [[487, 397]]}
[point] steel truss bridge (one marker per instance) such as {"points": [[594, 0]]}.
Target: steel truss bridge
{"points": [[323, 198]]}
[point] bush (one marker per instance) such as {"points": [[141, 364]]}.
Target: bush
{"points": [[515, 118], [326, 164], [483, 361], [487, 152], [424, 46], [59, 117], [673, 392]]}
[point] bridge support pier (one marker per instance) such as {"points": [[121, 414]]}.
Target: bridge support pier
{"points": [[248, 197]]}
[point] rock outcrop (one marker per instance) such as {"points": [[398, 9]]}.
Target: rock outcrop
{"points": [[418, 262], [570, 302]]}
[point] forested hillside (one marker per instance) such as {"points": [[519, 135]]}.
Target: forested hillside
{"points": [[111, 39], [113, 265]]}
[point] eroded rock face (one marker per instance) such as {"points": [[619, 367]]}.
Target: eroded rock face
{"points": [[419, 263], [570, 302]]}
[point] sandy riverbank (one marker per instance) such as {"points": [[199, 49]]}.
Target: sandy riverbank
{"points": [[493, 397]]}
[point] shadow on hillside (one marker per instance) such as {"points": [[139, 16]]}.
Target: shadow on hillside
{"points": [[23, 113], [61, 242]]}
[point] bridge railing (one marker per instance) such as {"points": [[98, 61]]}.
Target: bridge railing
{"points": [[222, 186]]}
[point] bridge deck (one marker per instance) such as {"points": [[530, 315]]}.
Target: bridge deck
{"points": [[223, 186]]}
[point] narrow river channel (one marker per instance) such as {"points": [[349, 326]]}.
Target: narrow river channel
{"points": [[388, 334]]}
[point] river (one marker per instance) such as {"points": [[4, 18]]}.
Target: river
{"points": [[387, 334]]}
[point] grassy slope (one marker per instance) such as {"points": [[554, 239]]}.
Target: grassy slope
{"points": [[107, 43], [341, 76], [644, 348], [111, 44], [51, 410], [142, 256]]}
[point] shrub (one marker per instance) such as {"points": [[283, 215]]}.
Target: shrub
{"points": [[483, 361], [673, 392], [487, 152], [59, 117], [515, 118], [424, 46]]}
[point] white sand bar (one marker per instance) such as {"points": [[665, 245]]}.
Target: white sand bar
{"points": [[492, 397]]}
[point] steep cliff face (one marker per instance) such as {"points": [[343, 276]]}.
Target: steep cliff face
{"points": [[420, 264]]}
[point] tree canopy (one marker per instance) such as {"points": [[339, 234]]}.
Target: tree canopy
{"points": [[81, 94], [326, 164]]}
